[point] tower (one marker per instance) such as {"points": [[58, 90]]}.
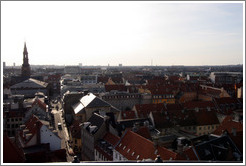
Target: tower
{"points": [[25, 70]]}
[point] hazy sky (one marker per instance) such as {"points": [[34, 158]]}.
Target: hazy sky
{"points": [[131, 33]]}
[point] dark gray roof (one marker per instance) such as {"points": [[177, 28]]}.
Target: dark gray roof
{"points": [[30, 83], [96, 120], [216, 148], [97, 102]]}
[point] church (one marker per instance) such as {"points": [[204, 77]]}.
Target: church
{"points": [[25, 84]]}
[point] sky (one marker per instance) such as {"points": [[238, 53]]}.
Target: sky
{"points": [[122, 32]]}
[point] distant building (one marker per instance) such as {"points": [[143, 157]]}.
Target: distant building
{"points": [[89, 79], [125, 100], [4, 64], [72, 70], [226, 77], [120, 65], [25, 69]]}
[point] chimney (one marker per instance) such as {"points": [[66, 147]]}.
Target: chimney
{"points": [[38, 126], [180, 145], [136, 127], [86, 92], [234, 131], [156, 141]]}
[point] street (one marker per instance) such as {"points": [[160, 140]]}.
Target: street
{"points": [[63, 132]]}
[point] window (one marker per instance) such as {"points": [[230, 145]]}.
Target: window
{"points": [[208, 127], [75, 141], [200, 128], [137, 157]]}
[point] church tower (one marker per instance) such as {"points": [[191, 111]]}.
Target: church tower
{"points": [[25, 70]]}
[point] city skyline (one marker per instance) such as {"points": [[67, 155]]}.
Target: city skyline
{"points": [[127, 33]]}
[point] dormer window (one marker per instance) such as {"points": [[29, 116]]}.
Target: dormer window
{"points": [[120, 145], [128, 150], [124, 147], [133, 153]]}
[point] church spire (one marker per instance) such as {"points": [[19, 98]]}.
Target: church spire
{"points": [[25, 54], [26, 72]]}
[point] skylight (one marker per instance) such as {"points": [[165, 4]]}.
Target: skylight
{"points": [[137, 157]]}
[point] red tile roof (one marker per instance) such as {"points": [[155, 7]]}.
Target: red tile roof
{"points": [[11, 153], [173, 78], [128, 114], [160, 120], [198, 104], [119, 87], [173, 107], [39, 103], [111, 138], [210, 91], [143, 110], [228, 124], [56, 77], [162, 89], [103, 79], [144, 132], [135, 147], [204, 117], [226, 100], [33, 125], [189, 152]]}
